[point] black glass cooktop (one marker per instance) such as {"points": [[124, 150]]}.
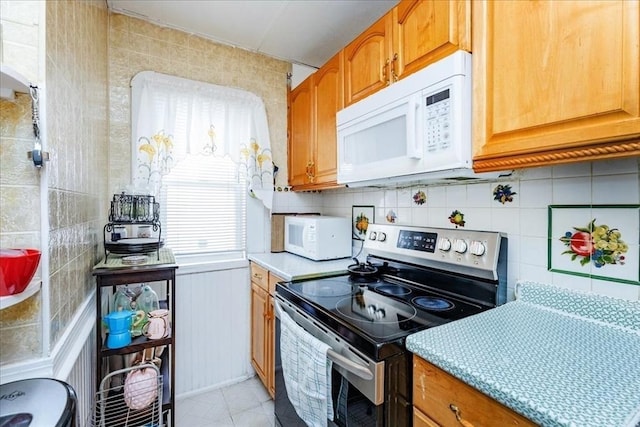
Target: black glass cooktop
{"points": [[378, 313]]}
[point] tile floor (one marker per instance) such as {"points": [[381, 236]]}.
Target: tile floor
{"points": [[245, 404]]}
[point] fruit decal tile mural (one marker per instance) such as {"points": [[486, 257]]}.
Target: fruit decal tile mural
{"points": [[598, 241], [361, 217], [419, 198], [457, 218], [391, 216], [503, 193]]}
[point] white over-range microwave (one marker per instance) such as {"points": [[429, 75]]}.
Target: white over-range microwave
{"points": [[417, 129], [318, 237]]}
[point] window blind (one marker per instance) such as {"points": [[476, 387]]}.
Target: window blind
{"points": [[204, 206]]}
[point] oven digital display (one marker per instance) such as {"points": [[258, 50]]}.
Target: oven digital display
{"points": [[417, 240]]}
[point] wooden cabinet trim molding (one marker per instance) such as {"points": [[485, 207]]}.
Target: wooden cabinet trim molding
{"points": [[596, 152]]}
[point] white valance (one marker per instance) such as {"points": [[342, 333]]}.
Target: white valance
{"points": [[173, 116]]}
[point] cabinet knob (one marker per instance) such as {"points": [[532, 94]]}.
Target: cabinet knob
{"points": [[257, 276]]}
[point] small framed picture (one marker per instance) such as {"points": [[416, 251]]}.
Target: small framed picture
{"points": [[361, 217], [596, 241]]}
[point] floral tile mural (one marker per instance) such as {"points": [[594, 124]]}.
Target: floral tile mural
{"points": [[598, 241]]}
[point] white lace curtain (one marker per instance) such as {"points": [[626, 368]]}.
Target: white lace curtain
{"points": [[173, 117]]}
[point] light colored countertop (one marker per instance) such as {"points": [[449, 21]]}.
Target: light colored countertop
{"points": [[558, 357], [293, 267]]}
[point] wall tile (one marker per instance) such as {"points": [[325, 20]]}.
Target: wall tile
{"points": [[479, 195], [535, 193], [615, 189], [478, 218], [571, 170], [405, 197], [534, 173], [616, 167], [436, 197], [571, 191], [534, 222], [503, 220], [456, 196], [618, 290]]}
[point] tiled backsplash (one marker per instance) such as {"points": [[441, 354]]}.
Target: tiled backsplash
{"points": [[524, 219]]}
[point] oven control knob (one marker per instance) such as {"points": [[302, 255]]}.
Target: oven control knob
{"points": [[382, 236], [477, 248], [460, 246], [372, 236], [444, 244]]}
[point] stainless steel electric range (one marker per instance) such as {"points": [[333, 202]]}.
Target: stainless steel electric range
{"points": [[413, 278]]}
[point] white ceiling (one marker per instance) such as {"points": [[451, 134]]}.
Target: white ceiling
{"points": [[306, 32]]}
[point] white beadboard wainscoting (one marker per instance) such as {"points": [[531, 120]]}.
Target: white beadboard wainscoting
{"points": [[212, 328], [82, 379]]}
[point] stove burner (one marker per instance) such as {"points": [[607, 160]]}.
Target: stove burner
{"points": [[433, 303], [325, 288], [393, 289]]}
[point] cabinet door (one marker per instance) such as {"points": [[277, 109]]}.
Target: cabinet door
{"points": [[367, 61], [447, 401], [270, 330], [555, 82], [270, 367], [259, 337], [427, 30], [327, 100], [300, 132]]}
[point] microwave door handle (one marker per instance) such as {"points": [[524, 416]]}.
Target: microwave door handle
{"points": [[414, 135]]}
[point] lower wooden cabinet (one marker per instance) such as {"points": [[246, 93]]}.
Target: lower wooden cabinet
{"points": [[263, 285], [440, 399], [421, 420]]}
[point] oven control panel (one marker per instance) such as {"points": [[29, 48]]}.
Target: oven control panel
{"points": [[472, 250], [417, 240]]}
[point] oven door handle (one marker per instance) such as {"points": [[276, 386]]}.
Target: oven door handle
{"points": [[351, 366]]}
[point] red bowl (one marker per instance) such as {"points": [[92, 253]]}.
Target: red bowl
{"points": [[17, 267]]}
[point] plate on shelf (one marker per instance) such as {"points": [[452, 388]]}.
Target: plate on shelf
{"points": [[134, 248], [134, 259], [135, 241]]}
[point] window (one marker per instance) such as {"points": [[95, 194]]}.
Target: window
{"points": [[205, 207], [198, 148]]}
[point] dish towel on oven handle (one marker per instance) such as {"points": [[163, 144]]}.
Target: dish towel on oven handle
{"points": [[306, 371]]}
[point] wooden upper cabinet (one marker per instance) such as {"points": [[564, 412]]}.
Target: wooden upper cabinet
{"points": [[312, 128], [300, 133], [409, 37], [327, 100], [555, 82], [367, 60], [426, 31]]}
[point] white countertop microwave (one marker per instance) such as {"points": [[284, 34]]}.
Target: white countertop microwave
{"points": [[318, 237], [417, 129]]}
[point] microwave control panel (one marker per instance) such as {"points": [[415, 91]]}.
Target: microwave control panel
{"points": [[437, 114]]}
